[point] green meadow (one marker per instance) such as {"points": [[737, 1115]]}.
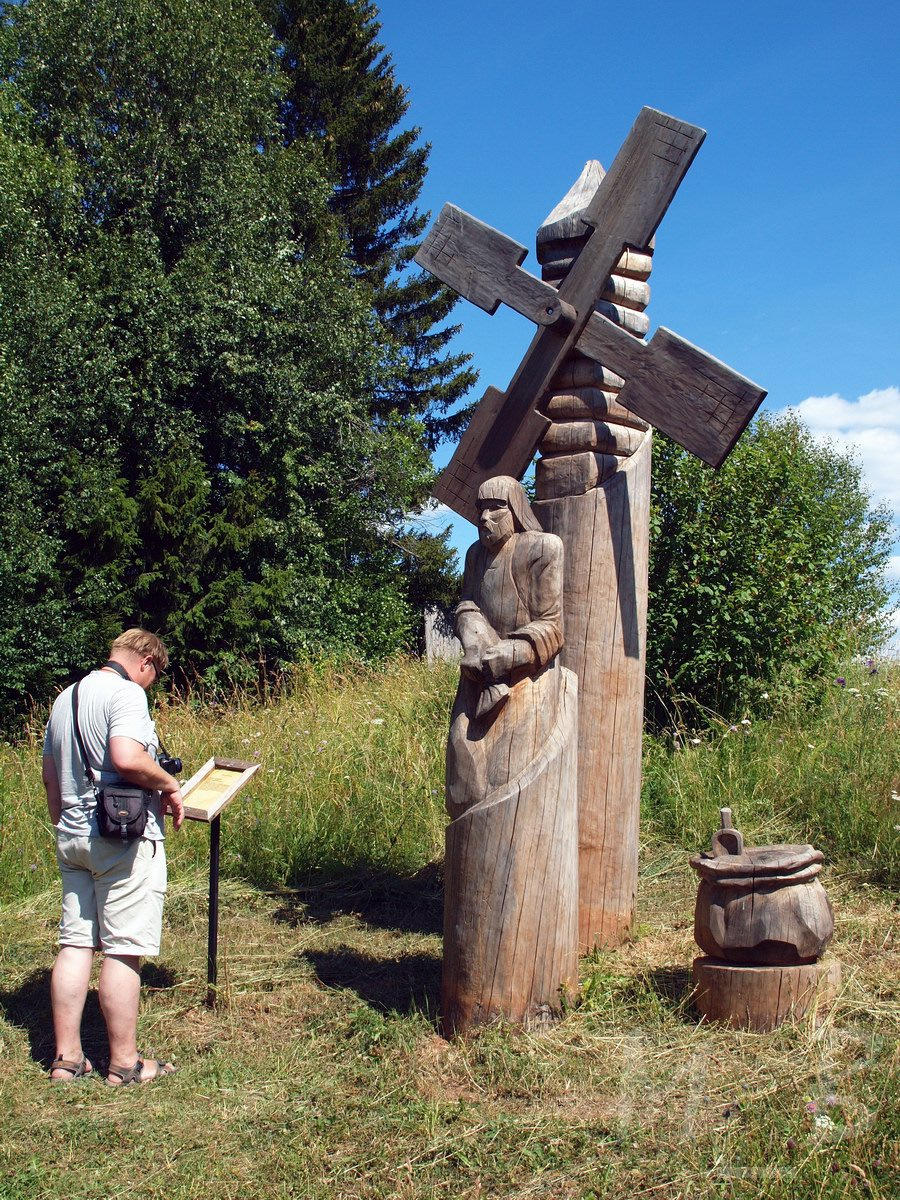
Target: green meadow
{"points": [[322, 1072]]}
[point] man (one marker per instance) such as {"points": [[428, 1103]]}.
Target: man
{"points": [[112, 890]]}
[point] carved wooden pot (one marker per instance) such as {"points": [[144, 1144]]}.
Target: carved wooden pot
{"points": [[763, 906]]}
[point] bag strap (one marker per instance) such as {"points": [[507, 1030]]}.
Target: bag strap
{"points": [[80, 741]]}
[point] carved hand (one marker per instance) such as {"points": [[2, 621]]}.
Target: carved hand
{"points": [[500, 660]]}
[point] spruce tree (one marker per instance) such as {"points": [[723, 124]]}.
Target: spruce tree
{"points": [[342, 93], [186, 361]]}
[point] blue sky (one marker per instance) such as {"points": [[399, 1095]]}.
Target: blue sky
{"points": [[780, 253]]}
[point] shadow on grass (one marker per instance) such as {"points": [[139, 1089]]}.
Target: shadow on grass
{"points": [[672, 986], [388, 901], [28, 1007], [406, 984]]}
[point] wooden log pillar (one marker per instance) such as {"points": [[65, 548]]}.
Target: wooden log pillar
{"points": [[593, 491]]}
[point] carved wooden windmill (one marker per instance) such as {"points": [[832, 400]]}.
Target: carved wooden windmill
{"points": [[585, 394]]}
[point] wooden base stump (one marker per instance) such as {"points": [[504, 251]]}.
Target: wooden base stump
{"points": [[760, 998], [511, 890]]}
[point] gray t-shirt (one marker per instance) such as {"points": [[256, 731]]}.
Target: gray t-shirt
{"points": [[108, 707]]}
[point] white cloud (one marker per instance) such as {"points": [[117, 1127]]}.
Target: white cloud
{"points": [[870, 427], [432, 516]]}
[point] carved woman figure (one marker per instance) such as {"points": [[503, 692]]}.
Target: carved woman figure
{"points": [[511, 865], [509, 621]]}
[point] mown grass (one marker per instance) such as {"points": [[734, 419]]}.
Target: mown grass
{"points": [[322, 1073]]}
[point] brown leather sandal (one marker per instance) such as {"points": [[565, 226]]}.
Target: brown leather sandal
{"points": [[78, 1070], [129, 1075]]}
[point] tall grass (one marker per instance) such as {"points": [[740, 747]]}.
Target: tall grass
{"points": [[319, 1075], [352, 777], [829, 775]]}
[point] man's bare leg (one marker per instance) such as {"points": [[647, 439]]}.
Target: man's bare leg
{"points": [[68, 991], [120, 991]]}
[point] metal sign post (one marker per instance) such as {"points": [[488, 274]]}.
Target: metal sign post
{"points": [[206, 795]]}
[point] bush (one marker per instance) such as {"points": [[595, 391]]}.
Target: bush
{"points": [[763, 575]]}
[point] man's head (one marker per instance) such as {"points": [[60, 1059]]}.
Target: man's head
{"points": [[503, 510], [142, 654]]}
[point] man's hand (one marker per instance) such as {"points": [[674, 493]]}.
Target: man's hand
{"points": [[173, 802]]}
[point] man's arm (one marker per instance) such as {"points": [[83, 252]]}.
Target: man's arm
{"points": [[133, 764], [52, 788]]}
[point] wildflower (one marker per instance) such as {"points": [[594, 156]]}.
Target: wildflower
{"points": [[810, 746], [791, 1144], [812, 1107], [895, 795], [33, 867], [841, 681], [765, 696], [377, 721], [745, 721], [695, 741], [732, 728]]}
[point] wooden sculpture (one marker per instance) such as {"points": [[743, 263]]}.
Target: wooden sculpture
{"points": [[583, 363], [593, 490], [764, 921], [510, 907]]}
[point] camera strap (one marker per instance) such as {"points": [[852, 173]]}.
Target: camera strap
{"points": [[117, 667]]}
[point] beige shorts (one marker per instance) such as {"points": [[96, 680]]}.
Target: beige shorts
{"points": [[112, 893]]}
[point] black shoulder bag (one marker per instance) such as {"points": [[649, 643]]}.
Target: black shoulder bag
{"points": [[121, 808]]}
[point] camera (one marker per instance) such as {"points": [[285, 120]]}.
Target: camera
{"points": [[171, 765]]}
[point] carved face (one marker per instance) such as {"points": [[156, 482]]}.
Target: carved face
{"points": [[495, 523]]}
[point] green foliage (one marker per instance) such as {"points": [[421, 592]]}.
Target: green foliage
{"points": [[342, 93], [826, 775], [762, 575], [188, 366]]}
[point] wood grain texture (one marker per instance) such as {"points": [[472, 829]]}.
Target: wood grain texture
{"points": [[625, 210], [574, 437], [589, 404], [761, 998], [685, 392], [764, 922], [605, 534], [211, 789], [572, 474], [510, 888], [761, 905], [510, 871]]}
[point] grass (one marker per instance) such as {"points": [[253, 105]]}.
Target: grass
{"points": [[321, 1073]]}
